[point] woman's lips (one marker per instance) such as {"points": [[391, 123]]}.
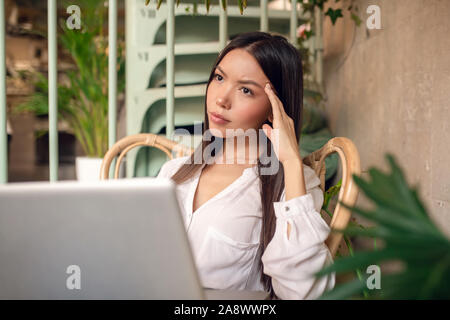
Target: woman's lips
{"points": [[216, 119]]}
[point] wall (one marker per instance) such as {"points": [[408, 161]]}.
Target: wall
{"points": [[389, 91]]}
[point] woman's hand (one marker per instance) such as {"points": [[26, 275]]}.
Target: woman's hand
{"points": [[286, 148]]}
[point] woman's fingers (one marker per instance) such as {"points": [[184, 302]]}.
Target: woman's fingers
{"points": [[267, 130], [275, 102], [282, 133]]}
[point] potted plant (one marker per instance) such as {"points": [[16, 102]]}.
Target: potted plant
{"points": [[83, 96]]}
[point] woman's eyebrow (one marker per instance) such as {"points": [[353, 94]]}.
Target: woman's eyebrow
{"points": [[242, 81]]}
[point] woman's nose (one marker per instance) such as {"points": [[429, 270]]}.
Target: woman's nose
{"points": [[223, 102]]}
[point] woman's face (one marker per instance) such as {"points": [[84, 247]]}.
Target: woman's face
{"points": [[236, 92]]}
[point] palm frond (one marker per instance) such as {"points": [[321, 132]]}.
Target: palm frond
{"points": [[409, 235]]}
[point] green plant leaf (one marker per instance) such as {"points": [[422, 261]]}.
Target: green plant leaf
{"points": [[331, 193], [83, 103], [346, 290], [409, 236], [334, 14], [358, 260], [356, 19]]}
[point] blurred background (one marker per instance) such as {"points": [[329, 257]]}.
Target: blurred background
{"points": [[380, 77]]}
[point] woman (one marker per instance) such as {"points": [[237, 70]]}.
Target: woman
{"points": [[252, 228]]}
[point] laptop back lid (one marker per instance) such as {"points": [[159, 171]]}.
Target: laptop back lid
{"points": [[115, 239]]}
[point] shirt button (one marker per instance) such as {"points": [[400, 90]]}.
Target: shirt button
{"points": [[286, 208]]}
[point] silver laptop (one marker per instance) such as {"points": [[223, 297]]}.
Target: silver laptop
{"points": [[115, 239]]}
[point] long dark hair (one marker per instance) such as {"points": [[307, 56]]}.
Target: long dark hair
{"points": [[282, 65]]}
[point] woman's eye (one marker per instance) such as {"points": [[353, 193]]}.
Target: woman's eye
{"points": [[246, 91]]}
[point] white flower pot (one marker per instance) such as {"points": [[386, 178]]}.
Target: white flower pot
{"points": [[88, 169]]}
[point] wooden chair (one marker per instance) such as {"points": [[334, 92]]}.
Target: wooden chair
{"points": [[316, 160], [348, 193], [121, 147]]}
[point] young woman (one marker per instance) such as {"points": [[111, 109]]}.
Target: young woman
{"points": [[250, 229]]}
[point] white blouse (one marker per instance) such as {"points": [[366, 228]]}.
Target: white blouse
{"points": [[224, 234]]}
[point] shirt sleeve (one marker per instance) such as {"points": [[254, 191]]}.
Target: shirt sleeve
{"points": [[169, 168], [165, 171], [292, 262]]}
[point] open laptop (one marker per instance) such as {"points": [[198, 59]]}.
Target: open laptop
{"points": [[114, 239]]}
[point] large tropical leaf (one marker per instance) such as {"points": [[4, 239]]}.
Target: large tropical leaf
{"points": [[409, 236]]}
